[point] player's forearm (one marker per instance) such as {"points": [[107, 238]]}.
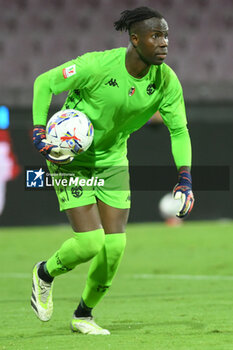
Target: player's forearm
{"points": [[42, 96], [181, 148]]}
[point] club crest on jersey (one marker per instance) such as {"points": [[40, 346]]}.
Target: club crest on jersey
{"points": [[132, 91], [69, 71], [151, 89]]}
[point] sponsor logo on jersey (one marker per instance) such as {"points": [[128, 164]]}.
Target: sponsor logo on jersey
{"points": [[112, 82], [151, 89], [132, 91], [69, 71]]}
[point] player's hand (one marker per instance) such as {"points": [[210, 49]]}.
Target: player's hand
{"points": [[49, 151], [183, 191]]}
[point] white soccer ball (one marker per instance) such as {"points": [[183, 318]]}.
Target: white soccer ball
{"points": [[168, 206], [70, 130]]}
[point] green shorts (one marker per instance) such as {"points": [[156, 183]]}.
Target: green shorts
{"points": [[84, 186]]}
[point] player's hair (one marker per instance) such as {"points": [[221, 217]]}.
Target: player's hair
{"points": [[128, 17]]}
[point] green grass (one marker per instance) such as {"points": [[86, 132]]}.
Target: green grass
{"points": [[174, 291]]}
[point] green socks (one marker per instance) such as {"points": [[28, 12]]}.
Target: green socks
{"points": [[103, 268], [106, 251], [76, 250]]}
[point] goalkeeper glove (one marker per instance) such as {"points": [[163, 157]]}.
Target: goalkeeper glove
{"points": [[183, 191], [49, 151]]}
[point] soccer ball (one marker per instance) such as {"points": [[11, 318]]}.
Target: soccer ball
{"points": [[168, 206], [71, 131]]}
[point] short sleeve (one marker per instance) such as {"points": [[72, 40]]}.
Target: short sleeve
{"points": [[172, 107], [75, 74]]}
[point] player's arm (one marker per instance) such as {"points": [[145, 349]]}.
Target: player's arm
{"points": [[41, 103], [182, 154], [55, 81], [172, 110]]}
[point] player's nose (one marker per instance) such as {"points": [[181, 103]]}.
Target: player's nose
{"points": [[163, 42]]}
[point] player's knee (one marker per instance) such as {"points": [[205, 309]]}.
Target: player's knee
{"points": [[88, 244], [116, 226], [96, 242]]}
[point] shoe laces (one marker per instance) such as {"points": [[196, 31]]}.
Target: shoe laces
{"points": [[45, 289]]}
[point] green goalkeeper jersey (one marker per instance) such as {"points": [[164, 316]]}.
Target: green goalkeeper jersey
{"points": [[117, 103]]}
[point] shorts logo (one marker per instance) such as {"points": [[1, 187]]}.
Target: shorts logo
{"points": [[77, 191], [150, 89], [69, 71], [35, 178]]}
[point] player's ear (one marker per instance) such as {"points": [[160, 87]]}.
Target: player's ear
{"points": [[134, 39]]}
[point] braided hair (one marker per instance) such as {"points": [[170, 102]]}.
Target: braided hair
{"points": [[128, 17]]}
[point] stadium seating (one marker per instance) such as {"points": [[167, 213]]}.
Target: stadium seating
{"points": [[37, 35]]}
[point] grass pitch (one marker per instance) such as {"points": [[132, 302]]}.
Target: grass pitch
{"points": [[173, 291]]}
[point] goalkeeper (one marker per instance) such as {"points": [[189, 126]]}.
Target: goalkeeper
{"points": [[119, 90]]}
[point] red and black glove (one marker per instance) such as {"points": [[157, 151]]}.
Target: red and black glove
{"points": [[45, 148]]}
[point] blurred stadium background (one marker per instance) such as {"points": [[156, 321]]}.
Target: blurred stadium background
{"points": [[36, 35]]}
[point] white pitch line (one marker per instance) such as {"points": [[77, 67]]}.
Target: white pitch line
{"points": [[184, 277], [142, 276]]}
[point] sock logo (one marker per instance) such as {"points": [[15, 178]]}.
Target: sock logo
{"points": [[101, 289], [61, 266]]}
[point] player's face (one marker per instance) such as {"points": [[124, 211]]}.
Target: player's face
{"points": [[151, 41]]}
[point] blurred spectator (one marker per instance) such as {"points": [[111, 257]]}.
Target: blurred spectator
{"points": [[9, 168]]}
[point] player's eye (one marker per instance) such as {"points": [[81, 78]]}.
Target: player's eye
{"points": [[155, 36]]}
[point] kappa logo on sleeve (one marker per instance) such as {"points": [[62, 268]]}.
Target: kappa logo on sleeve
{"points": [[69, 71]]}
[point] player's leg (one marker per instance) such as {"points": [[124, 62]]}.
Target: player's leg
{"points": [[113, 220], [113, 203], [88, 238], [87, 241], [105, 264]]}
